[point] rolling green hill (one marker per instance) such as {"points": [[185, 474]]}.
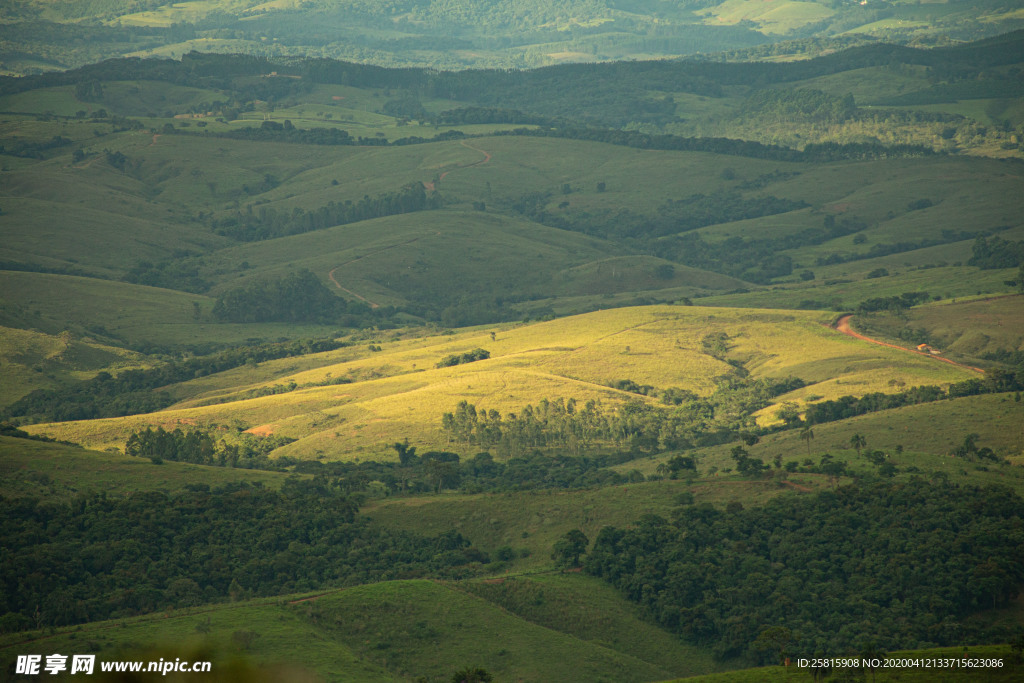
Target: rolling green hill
{"points": [[399, 392], [44, 36], [461, 317]]}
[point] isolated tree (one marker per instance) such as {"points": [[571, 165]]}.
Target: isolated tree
{"points": [[807, 434], [406, 453], [858, 442], [569, 548]]}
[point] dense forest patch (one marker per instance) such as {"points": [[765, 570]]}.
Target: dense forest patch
{"points": [[897, 565]]}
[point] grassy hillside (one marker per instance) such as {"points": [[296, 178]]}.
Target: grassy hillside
{"points": [[399, 393], [430, 630], [33, 360], [46, 470], [968, 328], [530, 523]]}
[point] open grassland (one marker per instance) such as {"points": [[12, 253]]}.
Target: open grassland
{"points": [[48, 470], [131, 313], [531, 522], [408, 258], [777, 17], [928, 433], [398, 392]]}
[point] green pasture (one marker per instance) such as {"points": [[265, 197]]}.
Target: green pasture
{"points": [[843, 288], [776, 18], [593, 611], [133, 313], [530, 522], [869, 84], [47, 470], [281, 645], [32, 360], [422, 628]]}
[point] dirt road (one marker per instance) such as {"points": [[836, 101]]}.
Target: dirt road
{"points": [[843, 325]]}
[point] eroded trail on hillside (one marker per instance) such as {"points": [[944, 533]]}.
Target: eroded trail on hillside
{"points": [[843, 325], [431, 186], [337, 284]]}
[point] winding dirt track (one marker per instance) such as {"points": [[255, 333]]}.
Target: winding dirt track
{"points": [[487, 157], [370, 253], [843, 325]]}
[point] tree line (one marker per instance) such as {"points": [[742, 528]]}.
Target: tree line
{"points": [[636, 425], [132, 392], [996, 380], [294, 297], [199, 447], [267, 223]]}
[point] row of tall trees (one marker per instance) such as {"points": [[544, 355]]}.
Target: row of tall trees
{"points": [[635, 425]]}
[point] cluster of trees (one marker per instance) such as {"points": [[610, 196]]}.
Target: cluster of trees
{"points": [[267, 223], [295, 297], [893, 304], [995, 252], [201, 448], [816, 152], [635, 425], [97, 558], [136, 391], [900, 565], [433, 471], [467, 357], [801, 104], [178, 272]]}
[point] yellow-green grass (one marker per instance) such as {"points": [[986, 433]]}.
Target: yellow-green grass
{"points": [[133, 312], [189, 12], [400, 393], [47, 470], [32, 360], [929, 433], [1009, 671], [771, 18], [969, 328]]}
